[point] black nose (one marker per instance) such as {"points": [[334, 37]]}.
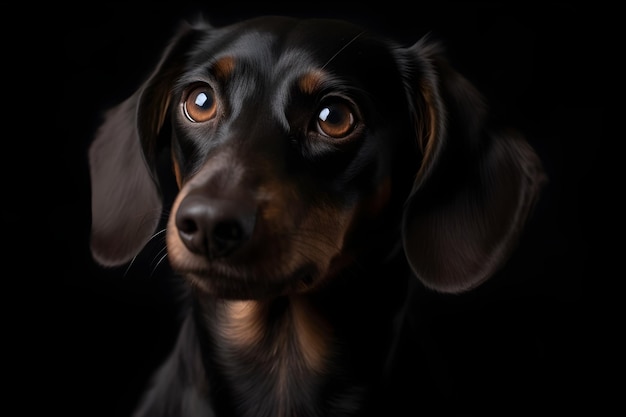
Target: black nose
{"points": [[214, 227]]}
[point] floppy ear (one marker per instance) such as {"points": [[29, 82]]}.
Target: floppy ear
{"points": [[125, 194], [475, 188]]}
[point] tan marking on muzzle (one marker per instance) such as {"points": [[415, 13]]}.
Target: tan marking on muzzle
{"points": [[176, 170]]}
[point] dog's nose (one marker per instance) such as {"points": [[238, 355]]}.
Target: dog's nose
{"points": [[214, 227]]}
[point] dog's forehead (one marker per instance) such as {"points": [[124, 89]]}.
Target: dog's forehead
{"points": [[275, 42], [269, 59]]}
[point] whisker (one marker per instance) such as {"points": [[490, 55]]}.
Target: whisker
{"points": [[342, 48], [163, 249], [130, 264], [157, 233], [158, 262], [132, 261]]}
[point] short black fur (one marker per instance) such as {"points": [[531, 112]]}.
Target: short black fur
{"points": [[326, 177]]}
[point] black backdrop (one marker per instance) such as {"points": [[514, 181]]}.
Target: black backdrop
{"points": [[524, 341]]}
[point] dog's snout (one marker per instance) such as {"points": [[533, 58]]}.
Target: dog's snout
{"points": [[214, 227]]}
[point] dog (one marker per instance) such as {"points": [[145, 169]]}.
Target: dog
{"points": [[324, 175]]}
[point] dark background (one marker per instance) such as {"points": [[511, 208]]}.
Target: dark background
{"points": [[530, 339]]}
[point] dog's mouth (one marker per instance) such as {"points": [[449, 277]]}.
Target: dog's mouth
{"points": [[249, 285]]}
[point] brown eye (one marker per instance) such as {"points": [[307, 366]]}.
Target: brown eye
{"points": [[335, 120], [200, 104]]}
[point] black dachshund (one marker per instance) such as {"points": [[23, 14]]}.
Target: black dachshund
{"points": [[325, 176]]}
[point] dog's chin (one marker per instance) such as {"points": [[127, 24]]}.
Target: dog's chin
{"points": [[252, 286]]}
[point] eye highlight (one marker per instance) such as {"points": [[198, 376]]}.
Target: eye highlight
{"points": [[335, 119], [200, 103]]}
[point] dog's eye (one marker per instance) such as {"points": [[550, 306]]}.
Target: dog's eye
{"points": [[335, 119], [200, 104]]}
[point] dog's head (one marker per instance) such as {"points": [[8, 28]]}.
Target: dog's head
{"points": [[302, 146]]}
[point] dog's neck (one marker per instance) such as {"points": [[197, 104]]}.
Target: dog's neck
{"points": [[283, 353], [287, 332]]}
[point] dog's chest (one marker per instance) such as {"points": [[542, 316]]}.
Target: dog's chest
{"points": [[275, 355]]}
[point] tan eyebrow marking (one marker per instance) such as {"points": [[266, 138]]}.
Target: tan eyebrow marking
{"points": [[312, 81], [223, 67]]}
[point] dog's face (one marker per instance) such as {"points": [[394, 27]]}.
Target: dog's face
{"points": [[301, 147], [284, 151]]}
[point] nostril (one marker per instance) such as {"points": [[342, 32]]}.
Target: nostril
{"points": [[214, 227], [187, 225], [227, 234], [228, 230]]}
